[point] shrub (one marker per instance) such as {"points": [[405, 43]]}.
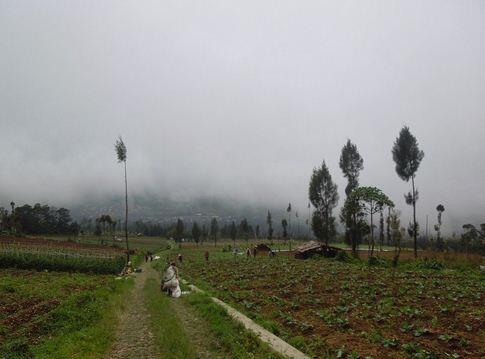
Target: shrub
{"points": [[376, 261], [342, 256], [431, 264]]}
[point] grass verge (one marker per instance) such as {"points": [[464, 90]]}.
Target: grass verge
{"points": [[232, 336], [170, 337]]}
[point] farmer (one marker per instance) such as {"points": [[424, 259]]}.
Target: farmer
{"points": [[128, 269], [206, 256], [170, 281]]}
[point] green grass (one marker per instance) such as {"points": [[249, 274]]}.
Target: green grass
{"points": [[169, 334], [232, 336], [58, 315]]}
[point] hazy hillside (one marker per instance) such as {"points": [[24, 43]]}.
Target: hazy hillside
{"points": [[162, 210]]}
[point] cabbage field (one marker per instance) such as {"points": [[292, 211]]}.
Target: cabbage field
{"points": [[348, 309], [40, 254]]}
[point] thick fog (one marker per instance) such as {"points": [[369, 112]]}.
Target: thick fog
{"points": [[241, 99]]}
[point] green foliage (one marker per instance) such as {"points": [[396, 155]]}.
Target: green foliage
{"points": [[179, 230], [351, 163], [196, 232], [354, 218], [121, 152], [375, 261], [170, 337], [269, 223], [244, 228], [324, 197], [120, 149], [42, 219], [371, 200], [74, 318], [345, 299], [342, 256], [430, 263], [62, 263], [473, 238], [406, 154], [284, 225], [372, 197], [232, 336], [233, 231], [214, 229]]}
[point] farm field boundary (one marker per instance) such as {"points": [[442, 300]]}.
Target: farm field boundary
{"points": [[276, 343]]}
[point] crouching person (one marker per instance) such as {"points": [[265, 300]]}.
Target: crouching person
{"points": [[170, 281]]}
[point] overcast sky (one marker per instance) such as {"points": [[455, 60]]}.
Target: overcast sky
{"points": [[240, 99]]}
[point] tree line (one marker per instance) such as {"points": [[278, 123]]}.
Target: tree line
{"points": [[213, 231], [363, 204], [36, 219]]}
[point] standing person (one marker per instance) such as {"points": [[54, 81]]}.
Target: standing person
{"points": [[206, 256], [248, 253], [146, 257], [180, 258], [254, 252]]}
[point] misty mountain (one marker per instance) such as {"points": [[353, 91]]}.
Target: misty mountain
{"points": [[156, 209]]}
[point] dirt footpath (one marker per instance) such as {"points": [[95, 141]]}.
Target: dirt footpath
{"points": [[134, 338]]}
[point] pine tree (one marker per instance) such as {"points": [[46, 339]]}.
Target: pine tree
{"points": [[324, 197], [196, 232], [407, 156], [269, 223], [351, 163], [439, 241], [214, 230]]}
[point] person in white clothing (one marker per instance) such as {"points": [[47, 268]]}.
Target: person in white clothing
{"points": [[171, 281]]}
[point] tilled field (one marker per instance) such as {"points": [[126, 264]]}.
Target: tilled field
{"points": [[37, 305], [351, 310]]}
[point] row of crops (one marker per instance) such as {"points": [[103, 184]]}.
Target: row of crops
{"points": [[60, 259]]}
